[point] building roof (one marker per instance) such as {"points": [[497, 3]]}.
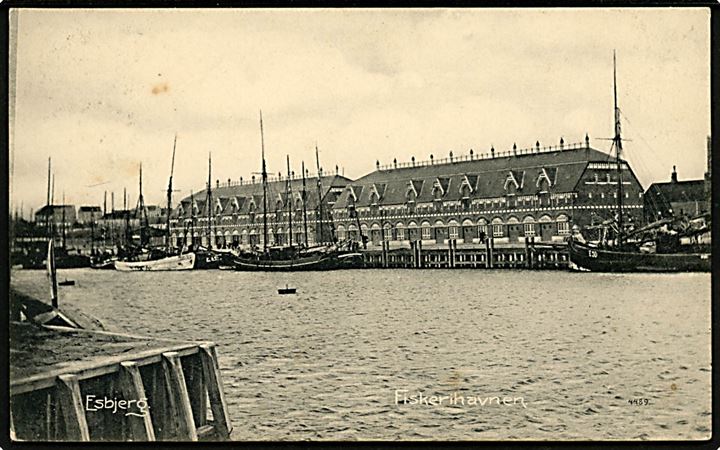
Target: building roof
{"points": [[249, 195], [676, 191], [523, 173], [49, 210], [90, 209]]}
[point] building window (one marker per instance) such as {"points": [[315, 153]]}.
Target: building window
{"points": [[426, 232], [453, 232], [563, 228], [529, 229], [497, 230], [400, 234]]}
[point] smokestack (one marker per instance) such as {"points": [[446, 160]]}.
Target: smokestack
{"points": [[105, 203], [112, 201]]}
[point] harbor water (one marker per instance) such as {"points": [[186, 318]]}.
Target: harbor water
{"points": [[353, 353]]}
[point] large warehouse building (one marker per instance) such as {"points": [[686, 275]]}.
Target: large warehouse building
{"points": [[538, 192]]}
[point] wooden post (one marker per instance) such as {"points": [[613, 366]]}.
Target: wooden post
{"points": [[70, 401], [196, 390], [211, 372], [179, 399], [132, 388], [13, 436], [531, 251], [419, 250], [489, 253]]}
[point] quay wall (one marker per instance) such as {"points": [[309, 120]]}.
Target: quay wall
{"points": [[528, 255]]}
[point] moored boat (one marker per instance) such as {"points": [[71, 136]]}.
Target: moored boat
{"points": [[185, 261], [656, 247], [592, 258]]}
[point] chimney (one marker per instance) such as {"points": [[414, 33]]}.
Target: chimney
{"points": [[431, 158], [562, 143], [673, 177], [471, 154], [537, 146], [241, 181], [451, 156], [413, 161], [229, 181], [395, 163], [587, 141], [492, 152]]}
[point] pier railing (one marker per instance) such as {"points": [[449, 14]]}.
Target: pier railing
{"points": [[175, 381]]}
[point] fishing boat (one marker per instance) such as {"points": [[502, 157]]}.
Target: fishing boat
{"points": [[175, 262], [141, 258], [669, 245], [296, 256]]}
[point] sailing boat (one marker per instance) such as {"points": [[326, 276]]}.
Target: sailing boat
{"points": [[293, 257], [207, 257], [154, 259], [653, 248]]}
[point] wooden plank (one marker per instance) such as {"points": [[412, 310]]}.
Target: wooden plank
{"points": [[179, 399], [206, 432], [132, 388], [218, 406], [92, 369], [70, 400], [197, 391]]}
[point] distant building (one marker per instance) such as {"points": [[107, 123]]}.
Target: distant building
{"points": [[676, 198], [236, 213], [539, 192], [88, 214], [54, 214]]}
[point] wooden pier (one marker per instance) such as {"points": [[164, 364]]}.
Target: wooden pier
{"points": [[451, 255], [97, 398]]}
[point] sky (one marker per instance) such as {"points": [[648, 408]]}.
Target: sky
{"points": [[101, 91]]}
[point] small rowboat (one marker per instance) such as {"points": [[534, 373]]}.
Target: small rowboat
{"points": [[67, 282], [286, 290]]}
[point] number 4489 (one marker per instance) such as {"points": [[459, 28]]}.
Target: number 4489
{"points": [[639, 401]]}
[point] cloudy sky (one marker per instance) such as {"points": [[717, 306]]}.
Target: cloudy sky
{"points": [[101, 91]]}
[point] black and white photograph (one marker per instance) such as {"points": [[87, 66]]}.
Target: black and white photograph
{"points": [[360, 224]]}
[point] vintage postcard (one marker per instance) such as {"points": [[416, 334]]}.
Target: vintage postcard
{"points": [[360, 224]]}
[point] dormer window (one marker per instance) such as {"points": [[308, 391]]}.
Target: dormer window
{"points": [[374, 198], [511, 183]]}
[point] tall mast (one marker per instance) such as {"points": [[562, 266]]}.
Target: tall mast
{"points": [[288, 196], [208, 205], [304, 197], [48, 186], [52, 202], [143, 213], [168, 245], [618, 150], [264, 184], [63, 221], [319, 192], [192, 218], [47, 216]]}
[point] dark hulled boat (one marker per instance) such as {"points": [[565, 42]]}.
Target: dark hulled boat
{"points": [[293, 257], [654, 248], [587, 257], [289, 260]]}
